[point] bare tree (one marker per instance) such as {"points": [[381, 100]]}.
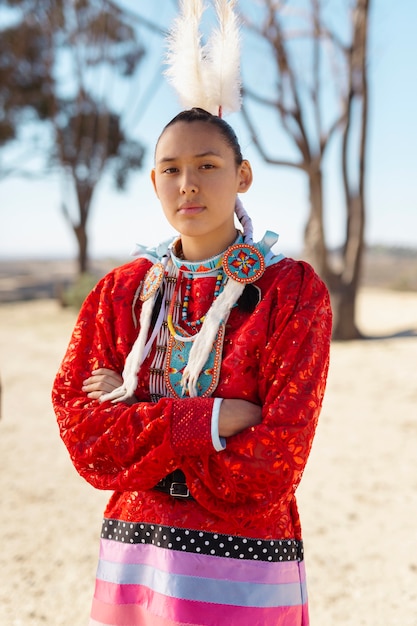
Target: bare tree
{"points": [[63, 62], [90, 140], [94, 38], [302, 105]]}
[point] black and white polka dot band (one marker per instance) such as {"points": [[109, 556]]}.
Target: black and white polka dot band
{"points": [[202, 542]]}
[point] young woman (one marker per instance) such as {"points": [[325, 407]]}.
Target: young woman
{"points": [[224, 352]]}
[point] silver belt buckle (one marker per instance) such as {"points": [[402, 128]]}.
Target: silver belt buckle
{"points": [[179, 490]]}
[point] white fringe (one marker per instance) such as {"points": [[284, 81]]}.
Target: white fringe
{"points": [[134, 359]]}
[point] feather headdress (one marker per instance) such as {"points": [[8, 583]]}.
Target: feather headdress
{"points": [[205, 76]]}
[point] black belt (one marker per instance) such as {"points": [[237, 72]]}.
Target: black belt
{"points": [[174, 485]]}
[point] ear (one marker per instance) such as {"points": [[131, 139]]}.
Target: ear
{"points": [[245, 176], [153, 179]]}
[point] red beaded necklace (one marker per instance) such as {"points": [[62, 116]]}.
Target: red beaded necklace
{"points": [[186, 299], [184, 312]]}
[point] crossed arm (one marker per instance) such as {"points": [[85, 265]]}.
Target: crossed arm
{"points": [[235, 414]]}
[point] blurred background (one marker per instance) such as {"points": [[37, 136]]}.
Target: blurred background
{"points": [[328, 122]]}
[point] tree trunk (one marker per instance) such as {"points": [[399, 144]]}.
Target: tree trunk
{"points": [[343, 283], [84, 195], [82, 242], [345, 293], [314, 244], [347, 284], [343, 299]]}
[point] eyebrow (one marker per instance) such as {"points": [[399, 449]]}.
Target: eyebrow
{"points": [[202, 155]]}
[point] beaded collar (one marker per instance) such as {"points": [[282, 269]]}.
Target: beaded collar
{"points": [[207, 266]]}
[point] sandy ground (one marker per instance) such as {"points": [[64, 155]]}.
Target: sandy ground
{"points": [[358, 498]]}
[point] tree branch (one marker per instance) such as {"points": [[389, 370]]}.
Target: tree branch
{"points": [[273, 31], [266, 157]]}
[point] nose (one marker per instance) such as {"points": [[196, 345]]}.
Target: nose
{"points": [[188, 184]]}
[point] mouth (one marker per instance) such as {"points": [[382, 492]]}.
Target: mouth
{"points": [[190, 208]]}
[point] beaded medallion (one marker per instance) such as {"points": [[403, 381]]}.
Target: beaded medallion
{"points": [[243, 263], [152, 281]]}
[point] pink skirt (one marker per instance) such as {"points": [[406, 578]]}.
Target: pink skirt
{"points": [[154, 575]]}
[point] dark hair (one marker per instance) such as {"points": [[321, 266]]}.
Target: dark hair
{"points": [[200, 115]]}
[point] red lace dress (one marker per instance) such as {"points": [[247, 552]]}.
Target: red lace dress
{"points": [[232, 553]]}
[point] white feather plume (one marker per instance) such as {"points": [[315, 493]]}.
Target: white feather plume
{"points": [[205, 76], [185, 55], [224, 59]]}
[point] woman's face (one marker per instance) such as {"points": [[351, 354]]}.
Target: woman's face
{"points": [[196, 180]]}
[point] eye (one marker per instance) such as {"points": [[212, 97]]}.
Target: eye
{"points": [[170, 170], [207, 166]]}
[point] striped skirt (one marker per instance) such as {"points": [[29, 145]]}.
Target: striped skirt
{"points": [[154, 575]]}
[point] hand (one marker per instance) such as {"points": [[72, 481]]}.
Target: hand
{"points": [[236, 415], [100, 382]]}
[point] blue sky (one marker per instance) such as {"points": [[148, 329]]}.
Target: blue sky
{"points": [[31, 224]]}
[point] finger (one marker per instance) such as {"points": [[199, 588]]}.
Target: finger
{"points": [[104, 385], [108, 375], [104, 371], [89, 381], [112, 378], [95, 395]]}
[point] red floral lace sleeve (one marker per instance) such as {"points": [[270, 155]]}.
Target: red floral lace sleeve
{"points": [[280, 358], [117, 446]]}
